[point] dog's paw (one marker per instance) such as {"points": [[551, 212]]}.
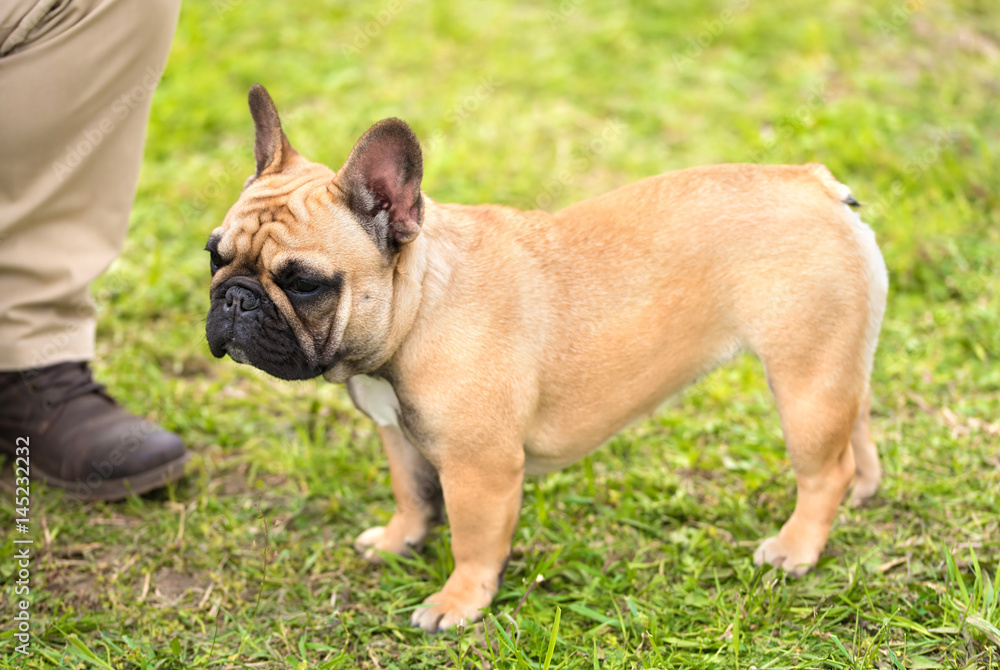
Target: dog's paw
{"points": [[448, 608], [379, 539], [795, 559], [862, 491]]}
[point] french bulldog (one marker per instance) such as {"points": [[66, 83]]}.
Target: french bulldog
{"points": [[489, 343]]}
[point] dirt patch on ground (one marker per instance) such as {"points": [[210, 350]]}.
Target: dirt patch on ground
{"points": [[170, 586]]}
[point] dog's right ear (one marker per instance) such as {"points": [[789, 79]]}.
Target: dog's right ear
{"points": [[270, 148]]}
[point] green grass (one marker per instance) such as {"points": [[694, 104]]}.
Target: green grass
{"points": [[645, 546]]}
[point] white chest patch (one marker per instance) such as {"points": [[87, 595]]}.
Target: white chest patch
{"points": [[376, 398]]}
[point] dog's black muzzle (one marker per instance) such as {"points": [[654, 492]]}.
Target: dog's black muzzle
{"points": [[244, 323]]}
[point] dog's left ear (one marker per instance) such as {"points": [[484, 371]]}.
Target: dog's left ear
{"points": [[270, 148], [381, 180]]}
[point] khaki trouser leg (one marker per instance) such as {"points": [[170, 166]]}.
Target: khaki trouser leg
{"points": [[76, 79]]}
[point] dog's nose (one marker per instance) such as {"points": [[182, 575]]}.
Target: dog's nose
{"points": [[243, 299]]}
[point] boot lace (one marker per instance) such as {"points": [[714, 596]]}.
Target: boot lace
{"points": [[59, 384]]}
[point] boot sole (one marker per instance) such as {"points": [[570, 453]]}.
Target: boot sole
{"points": [[117, 489]]}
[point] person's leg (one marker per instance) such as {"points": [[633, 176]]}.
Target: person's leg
{"points": [[77, 77], [76, 94]]}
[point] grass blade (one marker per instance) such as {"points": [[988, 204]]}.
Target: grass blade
{"points": [[552, 639]]}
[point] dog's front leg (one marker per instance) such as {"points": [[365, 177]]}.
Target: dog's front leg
{"points": [[418, 500], [482, 495]]}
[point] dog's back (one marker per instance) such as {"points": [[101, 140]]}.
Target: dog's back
{"points": [[622, 299]]}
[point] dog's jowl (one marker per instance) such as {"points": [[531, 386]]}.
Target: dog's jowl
{"points": [[489, 343]]}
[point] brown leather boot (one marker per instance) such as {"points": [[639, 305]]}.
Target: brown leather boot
{"points": [[80, 439]]}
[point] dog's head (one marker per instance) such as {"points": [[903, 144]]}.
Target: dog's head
{"points": [[302, 265]]}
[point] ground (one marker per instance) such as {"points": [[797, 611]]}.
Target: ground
{"points": [[643, 550]]}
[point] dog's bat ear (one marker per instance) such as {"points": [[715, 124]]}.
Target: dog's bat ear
{"points": [[270, 148], [382, 181]]}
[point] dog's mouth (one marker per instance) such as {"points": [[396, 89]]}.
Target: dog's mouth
{"points": [[236, 353], [289, 369], [243, 323]]}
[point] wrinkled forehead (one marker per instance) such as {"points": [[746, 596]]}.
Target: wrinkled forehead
{"points": [[271, 207], [280, 218], [253, 229]]}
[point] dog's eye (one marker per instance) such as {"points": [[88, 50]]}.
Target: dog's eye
{"points": [[301, 285]]}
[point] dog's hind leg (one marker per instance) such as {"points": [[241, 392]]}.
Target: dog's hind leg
{"points": [[869, 472], [818, 411]]}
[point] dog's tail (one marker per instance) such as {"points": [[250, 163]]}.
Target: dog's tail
{"points": [[839, 191]]}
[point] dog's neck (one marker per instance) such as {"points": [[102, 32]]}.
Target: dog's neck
{"points": [[417, 268], [422, 274]]}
